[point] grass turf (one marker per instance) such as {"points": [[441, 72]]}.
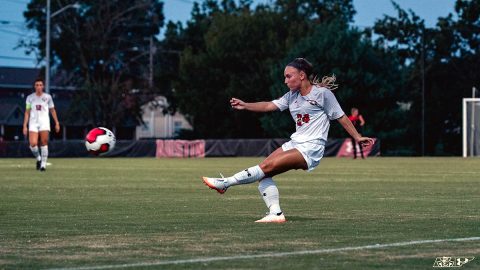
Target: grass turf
{"points": [[112, 211]]}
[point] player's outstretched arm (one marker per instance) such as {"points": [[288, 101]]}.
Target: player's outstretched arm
{"points": [[348, 126], [264, 106]]}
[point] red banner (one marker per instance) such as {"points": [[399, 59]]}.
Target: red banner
{"points": [[180, 148], [346, 150]]}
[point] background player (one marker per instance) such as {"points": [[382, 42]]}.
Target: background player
{"points": [[358, 122], [312, 106], [37, 117]]}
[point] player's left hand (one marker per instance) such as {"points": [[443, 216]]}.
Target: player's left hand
{"points": [[237, 104], [365, 141], [57, 127]]}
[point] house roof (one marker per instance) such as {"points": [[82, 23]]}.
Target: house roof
{"points": [[14, 77], [23, 78], [8, 107], [11, 107]]}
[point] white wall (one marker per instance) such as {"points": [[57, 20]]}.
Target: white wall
{"points": [[158, 125]]}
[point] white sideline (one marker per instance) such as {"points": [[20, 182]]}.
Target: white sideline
{"points": [[267, 255]]}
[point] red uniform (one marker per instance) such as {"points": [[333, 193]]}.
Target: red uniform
{"points": [[356, 123], [355, 120]]}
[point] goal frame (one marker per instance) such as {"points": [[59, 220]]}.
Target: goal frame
{"points": [[465, 124]]}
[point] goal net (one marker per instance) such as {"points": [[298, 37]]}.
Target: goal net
{"points": [[471, 127]]}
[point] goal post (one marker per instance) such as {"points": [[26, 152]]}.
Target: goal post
{"points": [[471, 127]]}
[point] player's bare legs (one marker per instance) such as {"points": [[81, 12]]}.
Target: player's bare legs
{"points": [[281, 161], [44, 134], [277, 162], [33, 140]]}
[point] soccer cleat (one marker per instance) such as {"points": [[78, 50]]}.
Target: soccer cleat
{"points": [[38, 164], [217, 184], [273, 218], [42, 169]]}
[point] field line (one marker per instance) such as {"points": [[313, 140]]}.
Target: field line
{"points": [[269, 255]]}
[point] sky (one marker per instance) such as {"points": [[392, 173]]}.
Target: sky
{"points": [[11, 20]]}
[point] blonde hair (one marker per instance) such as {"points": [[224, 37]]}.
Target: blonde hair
{"points": [[304, 65], [327, 82]]}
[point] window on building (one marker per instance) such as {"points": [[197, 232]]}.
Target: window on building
{"points": [[177, 126]]}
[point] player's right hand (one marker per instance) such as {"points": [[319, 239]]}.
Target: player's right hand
{"points": [[25, 130], [237, 104]]}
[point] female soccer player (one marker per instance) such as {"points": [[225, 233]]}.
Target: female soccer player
{"points": [[312, 106], [37, 117], [357, 120]]}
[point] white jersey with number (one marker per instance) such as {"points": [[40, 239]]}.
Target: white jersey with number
{"points": [[312, 113], [39, 110]]}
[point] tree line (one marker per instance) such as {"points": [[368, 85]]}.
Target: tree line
{"points": [[407, 79]]}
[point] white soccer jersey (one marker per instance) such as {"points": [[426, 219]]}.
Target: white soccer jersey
{"points": [[39, 107], [312, 113]]}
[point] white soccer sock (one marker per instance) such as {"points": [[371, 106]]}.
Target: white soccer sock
{"points": [[247, 176], [35, 152], [270, 195], [44, 150]]}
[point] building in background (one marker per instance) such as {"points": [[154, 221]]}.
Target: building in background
{"points": [[157, 123], [15, 85]]}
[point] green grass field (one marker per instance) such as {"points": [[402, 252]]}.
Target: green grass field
{"points": [[100, 213]]}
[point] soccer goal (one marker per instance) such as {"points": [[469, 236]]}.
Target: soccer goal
{"points": [[471, 127]]}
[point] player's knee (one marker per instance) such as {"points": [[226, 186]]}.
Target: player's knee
{"points": [[267, 166]]}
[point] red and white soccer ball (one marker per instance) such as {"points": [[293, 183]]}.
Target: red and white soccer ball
{"points": [[100, 141]]}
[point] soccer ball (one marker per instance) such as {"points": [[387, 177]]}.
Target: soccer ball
{"points": [[100, 141]]}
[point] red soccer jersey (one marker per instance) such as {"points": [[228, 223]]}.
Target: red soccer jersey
{"points": [[355, 120]]}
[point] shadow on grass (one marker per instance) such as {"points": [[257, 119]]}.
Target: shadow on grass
{"points": [[300, 218]]}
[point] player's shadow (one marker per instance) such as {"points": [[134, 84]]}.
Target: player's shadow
{"points": [[300, 218]]}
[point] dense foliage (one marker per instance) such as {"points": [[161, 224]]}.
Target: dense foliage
{"points": [[103, 46]]}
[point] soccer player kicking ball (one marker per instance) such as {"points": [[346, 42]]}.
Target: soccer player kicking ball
{"points": [[312, 106], [39, 104]]}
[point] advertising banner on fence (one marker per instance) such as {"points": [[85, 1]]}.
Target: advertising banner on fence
{"points": [[182, 148], [346, 150]]}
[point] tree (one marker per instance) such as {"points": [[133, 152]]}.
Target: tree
{"points": [[230, 50], [225, 68], [369, 79], [324, 11], [104, 46], [404, 36], [454, 69], [446, 59]]}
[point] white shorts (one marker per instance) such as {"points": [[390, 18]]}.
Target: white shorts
{"points": [[311, 152], [39, 126]]}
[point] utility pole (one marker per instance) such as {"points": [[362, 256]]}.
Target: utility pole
{"points": [[47, 53], [152, 51], [47, 41], [423, 90]]}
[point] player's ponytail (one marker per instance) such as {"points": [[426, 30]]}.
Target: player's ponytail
{"points": [[327, 82], [305, 66]]}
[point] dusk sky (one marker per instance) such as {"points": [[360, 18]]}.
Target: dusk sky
{"points": [[11, 20]]}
